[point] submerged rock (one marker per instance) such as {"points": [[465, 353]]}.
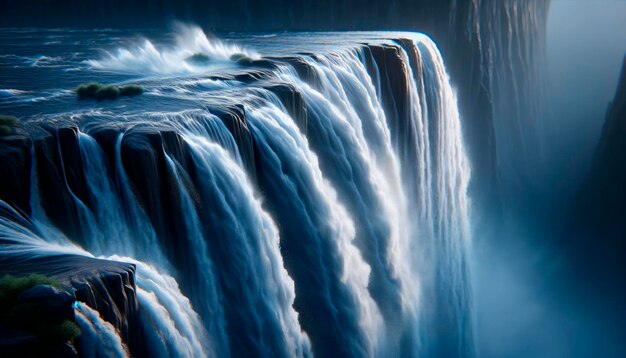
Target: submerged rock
{"points": [[101, 91]]}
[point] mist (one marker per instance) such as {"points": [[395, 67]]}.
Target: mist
{"points": [[528, 300]]}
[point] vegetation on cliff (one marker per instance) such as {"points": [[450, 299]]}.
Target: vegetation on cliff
{"points": [[7, 123], [36, 304]]}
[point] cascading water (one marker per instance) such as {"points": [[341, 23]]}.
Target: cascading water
{"points": [[317, 239], [173, 327], [98, 337], [260, 304], [291, 206]]}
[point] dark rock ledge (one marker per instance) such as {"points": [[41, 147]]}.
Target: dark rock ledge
{"points": [[104, 285]]}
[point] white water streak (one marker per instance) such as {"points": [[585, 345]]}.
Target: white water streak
{"points": [[98, 337]]}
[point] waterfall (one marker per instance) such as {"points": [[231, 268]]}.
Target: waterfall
{"points": [[171, 323], [108, 209], [450, 218], [209, 299], [319, 235], [348, 129], [260, 304], [98, 337], [315, 205]]}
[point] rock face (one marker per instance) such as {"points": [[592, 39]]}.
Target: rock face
{"points": [[595, 237], [33, 319], [15, 156], [16, 343], [600, 215], [106, 286], [56, 303]]}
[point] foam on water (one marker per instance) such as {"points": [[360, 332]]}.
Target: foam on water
{"points": [[190, 41]]}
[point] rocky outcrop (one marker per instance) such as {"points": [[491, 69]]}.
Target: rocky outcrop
{"points": [[395, 95], [15, 156], [593, 244], [293, 102], [234, 119], [600, 214], [15, 343], [106, 286], [36, 320]]}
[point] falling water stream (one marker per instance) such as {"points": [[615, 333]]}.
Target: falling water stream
{"points": [[346, 234]]}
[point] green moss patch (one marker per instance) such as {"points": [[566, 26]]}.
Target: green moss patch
{"points": [[35, 316], [58, 332], [101, 91], [11, 286], [7, 123], [131, 90]]}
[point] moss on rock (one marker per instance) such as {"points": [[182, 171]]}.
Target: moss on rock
{"points": [[101, 91], [131, 90], [7, 123], [11, 286], [36, 304], [88, 90]]}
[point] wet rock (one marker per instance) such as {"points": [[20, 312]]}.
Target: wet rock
{"points": [[17, 343], [51, 303]]}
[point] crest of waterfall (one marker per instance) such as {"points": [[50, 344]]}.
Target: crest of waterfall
{"points": [[348, 129], [336, 224]]}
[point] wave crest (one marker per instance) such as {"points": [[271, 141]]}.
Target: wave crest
{"points": [[193, 52]]}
